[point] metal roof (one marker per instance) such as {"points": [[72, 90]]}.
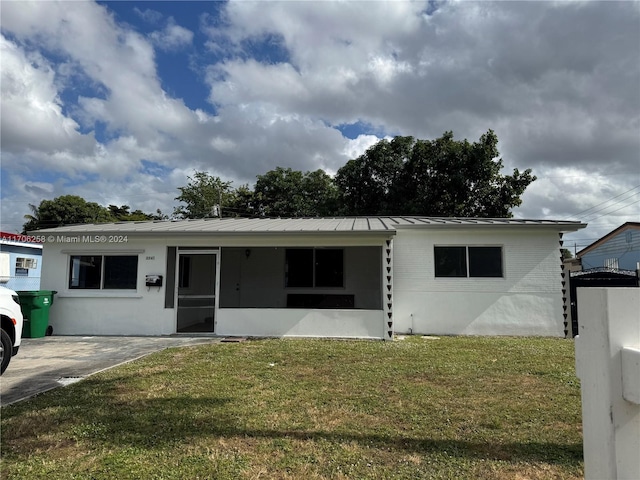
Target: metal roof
{"points": [[371, 225]]}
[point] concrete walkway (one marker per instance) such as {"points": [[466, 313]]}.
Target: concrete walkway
{"points": [[46, 363]]}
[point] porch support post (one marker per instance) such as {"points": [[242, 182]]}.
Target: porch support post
{"points": [[387, 288]]}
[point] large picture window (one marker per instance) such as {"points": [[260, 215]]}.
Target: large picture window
{"points": [[110, 272], [314, 267], [463, 261]]}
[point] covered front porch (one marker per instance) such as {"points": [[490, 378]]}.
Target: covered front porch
{"points": [[295, 290]]}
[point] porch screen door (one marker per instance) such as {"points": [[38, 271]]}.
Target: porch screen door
{"points": [[196, 291]]}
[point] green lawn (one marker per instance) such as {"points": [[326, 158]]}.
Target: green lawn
{"points": [[454, 407]]}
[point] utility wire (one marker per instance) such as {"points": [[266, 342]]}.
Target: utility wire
{"points": [[613, 211], [609, 206], [583, 213]]}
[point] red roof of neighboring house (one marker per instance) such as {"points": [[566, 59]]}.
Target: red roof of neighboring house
{"points": [[17, 237]]}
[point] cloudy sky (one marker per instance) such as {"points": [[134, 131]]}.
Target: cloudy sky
{"points": [[119, 101]]}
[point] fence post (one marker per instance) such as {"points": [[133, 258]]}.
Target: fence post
{"points": [[609, 322]]}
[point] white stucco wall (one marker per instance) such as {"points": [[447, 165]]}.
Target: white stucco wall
{"points": [[119, 312], [526, 301], [104, 312], [298, 322]]}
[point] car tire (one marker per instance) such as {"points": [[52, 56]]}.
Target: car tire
{"points": [[7, 350]]}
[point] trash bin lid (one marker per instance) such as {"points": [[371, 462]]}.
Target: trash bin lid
{"points": [[35, 293]]}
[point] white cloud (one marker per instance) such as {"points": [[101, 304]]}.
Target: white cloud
{"points": [[558, 82], [172, 37], [148, 15], [359, 145], [529, 71], [32, 117], [570, 193]]}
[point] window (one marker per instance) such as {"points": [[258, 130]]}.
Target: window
{"points": [[451, 261], [309, 267], [185, 272], [460, 261], [485, 261], [329, 270], [22, 262], [299, 267], [112, 272]]}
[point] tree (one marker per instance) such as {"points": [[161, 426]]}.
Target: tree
{"points": [[284, 192], [122, 214], [65, 210], [203, 197], [442, 177], [242, 202], [368, 184], [566, 254], [321, 194]]}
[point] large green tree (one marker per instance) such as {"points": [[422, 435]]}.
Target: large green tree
{"points": [[442, 177], [65, 210], [242, 202], [368, 185], [204, 196], [72, 209], [284, 192]]}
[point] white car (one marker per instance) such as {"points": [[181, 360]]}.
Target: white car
{"points": [[11, 331]]}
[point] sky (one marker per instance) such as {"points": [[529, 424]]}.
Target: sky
{"points": [[119, 102]]}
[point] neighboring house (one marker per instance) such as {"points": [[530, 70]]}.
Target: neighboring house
{"points": [[617, 250], [572, 264], [20, 262], [611, 261], [365, 277]]}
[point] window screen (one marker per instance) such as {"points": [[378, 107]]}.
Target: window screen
{"points": [[85, 271], [485, 261], [117, 272], [120, 272], [299, 267], [450, 261], [463, 261], [308, 267], [329, 268]]}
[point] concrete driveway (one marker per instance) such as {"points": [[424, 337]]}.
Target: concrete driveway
{"points": [[46, 363]]}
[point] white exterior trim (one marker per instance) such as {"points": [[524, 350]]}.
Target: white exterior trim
{"points": [[527, 300]]}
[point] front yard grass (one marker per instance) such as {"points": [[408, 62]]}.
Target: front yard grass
{"points": [[454, 407]]}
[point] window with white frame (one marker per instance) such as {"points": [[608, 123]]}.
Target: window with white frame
{"points": [[108, 272], [23, 262], [468, 261]]}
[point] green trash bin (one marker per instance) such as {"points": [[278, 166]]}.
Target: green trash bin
{"points": [[35, 309]]}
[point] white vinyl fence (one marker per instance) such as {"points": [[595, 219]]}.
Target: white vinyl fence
{"points": [[608, 365]]}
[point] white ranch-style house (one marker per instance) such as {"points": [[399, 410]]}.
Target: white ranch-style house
{"points": [[364, 277]]}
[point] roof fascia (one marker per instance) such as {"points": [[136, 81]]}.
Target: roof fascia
{"points": [[178, 233], [559, 227]]}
